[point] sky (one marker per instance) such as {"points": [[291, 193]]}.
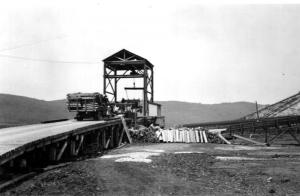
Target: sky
{"points": [[224, 51]]}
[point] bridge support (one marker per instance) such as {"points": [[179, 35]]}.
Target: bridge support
{"points": [[80, 142]]}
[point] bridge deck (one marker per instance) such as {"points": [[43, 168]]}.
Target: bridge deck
{"points": [[14, 140]]}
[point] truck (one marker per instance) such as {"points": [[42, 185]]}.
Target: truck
{"points": [[88, 106]]}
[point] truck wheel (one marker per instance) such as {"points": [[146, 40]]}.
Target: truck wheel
{"points": [[79, 118], [99, 116]]}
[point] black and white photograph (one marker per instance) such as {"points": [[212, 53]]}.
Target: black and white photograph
{"points": [[149, 97]]}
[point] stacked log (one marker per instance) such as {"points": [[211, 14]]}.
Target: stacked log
{"points": [[184, 135], [154, 134], [87, 106]]}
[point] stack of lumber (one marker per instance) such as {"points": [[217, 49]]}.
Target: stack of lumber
{"points": [[85, 106], [84, 101], [184, 135]]}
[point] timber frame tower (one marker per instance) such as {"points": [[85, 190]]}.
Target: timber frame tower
{"points": [[125, 64]]}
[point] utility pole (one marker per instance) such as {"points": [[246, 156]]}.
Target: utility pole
{"points": [[257, 114]]}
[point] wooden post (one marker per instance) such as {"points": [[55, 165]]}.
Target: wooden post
{"points": [[98, 139], [266, 136], [80, 144], [112, 138], [292, 134], [145, 92], [104, 79], [126, 129], [62, 150], [257, 114], [117, 134], [242, 129], [115, 86], [52, 153], [73, 147], [103, 142]]}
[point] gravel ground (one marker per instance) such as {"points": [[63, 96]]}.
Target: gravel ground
{"points": [[175, 169]]}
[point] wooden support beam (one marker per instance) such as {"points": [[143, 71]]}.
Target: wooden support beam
{"points": [[98, 139], [107, 143], [134, 88], [293, 135], [112, 137], [72, 147], [278, 135], [223, 138], [121, 137], [248, 139], [52, 153], [266, 135], [139, 62], [62, 150], [126, 76], [103, 140], [126, 129], [117, 137], [80, 144]]}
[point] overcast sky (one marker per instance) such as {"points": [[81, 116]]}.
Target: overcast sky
{"points": [[208, 53]]}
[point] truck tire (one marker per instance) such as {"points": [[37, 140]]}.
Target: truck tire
{"points": [[79, 117]]}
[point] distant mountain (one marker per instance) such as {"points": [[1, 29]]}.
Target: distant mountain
{"points": [[19, 110], [183, 112]]}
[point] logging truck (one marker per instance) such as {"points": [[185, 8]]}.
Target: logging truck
{"points": [[88, 106]]}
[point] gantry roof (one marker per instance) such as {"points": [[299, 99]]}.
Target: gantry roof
{"points": [[126, 60]]}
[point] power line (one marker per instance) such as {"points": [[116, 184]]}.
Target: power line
{"points": [[47, 60], [32, 43]]}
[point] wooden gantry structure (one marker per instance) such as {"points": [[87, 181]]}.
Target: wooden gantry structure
{"points": [[124, 65]]}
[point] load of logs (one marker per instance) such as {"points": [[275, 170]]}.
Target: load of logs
{"points": [[154, 134]]}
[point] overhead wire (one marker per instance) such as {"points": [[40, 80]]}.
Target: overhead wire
{"points": [[41, 60], [32, 43], [47, 60]]}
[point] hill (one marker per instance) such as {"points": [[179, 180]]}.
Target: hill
{"points": [[182, 112], [19, 110]]}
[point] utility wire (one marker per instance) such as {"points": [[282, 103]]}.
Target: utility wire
{"points": [[32, 43], [47, 60]]}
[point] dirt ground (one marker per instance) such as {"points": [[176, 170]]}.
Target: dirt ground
{"points": [[175, 169]]}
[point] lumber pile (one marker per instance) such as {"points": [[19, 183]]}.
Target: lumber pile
{"points": [[184, 135], [84, 101], [154, 134], [143, 134]]}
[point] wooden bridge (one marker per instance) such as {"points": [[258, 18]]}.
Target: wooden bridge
{"points": [[275, 127], [35, 146]]}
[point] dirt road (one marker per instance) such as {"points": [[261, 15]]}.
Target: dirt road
{"points": [[175, 169]]}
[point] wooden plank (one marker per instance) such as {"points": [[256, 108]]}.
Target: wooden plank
{"points": [[185, 136], [201, 136], [248, 139], [193, 136], [103, 136], [126, 129], [204, 137], [121, 137], [107, 143], [278, 135], [52, 153], [223, 138], [80, 144], [197, 136], [188, 136], [294, 136], [62, 150]]}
